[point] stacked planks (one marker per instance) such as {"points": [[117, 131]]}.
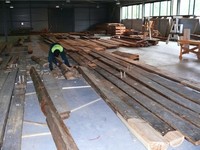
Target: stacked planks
{"points": [[144, 98], [164, 104], [115, 28]]}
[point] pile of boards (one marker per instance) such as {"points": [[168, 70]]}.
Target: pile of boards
{"points": [[76, 43], [158, 108]]}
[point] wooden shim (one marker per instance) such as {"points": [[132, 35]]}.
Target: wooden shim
{"points": [[121, 108], [5, 97], [60, 133], [174, 138], [14, 125], [127, 55]]}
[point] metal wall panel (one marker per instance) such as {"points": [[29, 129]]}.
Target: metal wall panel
{"points": [[61, 20], [39, 17], [85, 18]]}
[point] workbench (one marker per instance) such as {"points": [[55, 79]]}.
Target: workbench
{"points": [[185, 47]]}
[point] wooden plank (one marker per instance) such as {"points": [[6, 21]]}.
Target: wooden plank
{"points": [[92, 45], [170, 84], [126, 42], [190, 131], [111, 42], [107, 45], [5, 97], [60, 133], [152, 141], [155, 86], [14, 125], [170, 117], [127, 55], [162, 73], [175, 138]]}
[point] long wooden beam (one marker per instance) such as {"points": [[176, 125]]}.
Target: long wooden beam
{"points": [[141, 129], [60, 133], [192, 132], [5, 99]]}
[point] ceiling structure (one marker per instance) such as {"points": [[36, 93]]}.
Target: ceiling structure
{"points": [[66, 3]]}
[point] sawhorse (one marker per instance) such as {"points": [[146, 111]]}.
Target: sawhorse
{"points": [[185, 48]]}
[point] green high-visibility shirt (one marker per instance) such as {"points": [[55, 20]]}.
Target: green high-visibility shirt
{"points": [[57, 47]]}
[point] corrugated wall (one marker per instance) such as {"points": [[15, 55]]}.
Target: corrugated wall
{"points": [[86, 18]]}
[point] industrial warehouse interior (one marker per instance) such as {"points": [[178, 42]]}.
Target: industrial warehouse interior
{"points": [[100, 75]]}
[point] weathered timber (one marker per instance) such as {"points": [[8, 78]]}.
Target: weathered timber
{"points": [[174, 138], [170, 84], [127, 55], [67, 46], [120, 43], [68, 73], [60, 133], [54, 91], [91, 45], [107, 45], [190, 131], [131, 44], [5, 99], [111, 42], [155, 121], [41, 61], [162, 73], [153, 85], [13, 132], [185, 128], [150, 138]]}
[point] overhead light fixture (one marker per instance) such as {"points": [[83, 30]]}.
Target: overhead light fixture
{"points": [[57, 6], [7, 1], [11, 6], [118, 3], [67, 1], [97, 6]]}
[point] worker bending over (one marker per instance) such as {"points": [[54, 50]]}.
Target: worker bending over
{"points": [[55, 50]]}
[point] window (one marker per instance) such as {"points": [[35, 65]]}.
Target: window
{"points": [[168, 8], [134, 11], [174, 9], [129, 12], [163, 8], [191, 7], [139, 11], [184, 7], [147, 10], [156, 9], [197, 8], [124, 13]]}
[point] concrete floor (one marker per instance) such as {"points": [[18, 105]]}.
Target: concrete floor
{"points": [[166, 57], [93, 125]]}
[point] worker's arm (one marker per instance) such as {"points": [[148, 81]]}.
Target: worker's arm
{"points": [[64, 57]]}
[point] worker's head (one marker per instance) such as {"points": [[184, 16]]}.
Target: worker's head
{"points": [[56, 53]]}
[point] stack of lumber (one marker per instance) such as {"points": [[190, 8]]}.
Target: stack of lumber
{"points": [[160, 109], [143, 98], [115, 28]]}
